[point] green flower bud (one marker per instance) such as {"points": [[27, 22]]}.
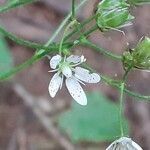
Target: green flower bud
{"points": [[127, 60], [139, 57], [141, 54], [139, 2], [112, 4], [113, 14]]}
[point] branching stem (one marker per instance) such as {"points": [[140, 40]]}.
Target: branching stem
{"points": [[87, 43]]}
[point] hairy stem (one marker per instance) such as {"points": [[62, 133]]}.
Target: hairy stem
{"points": [[48, 47], [11, 5], [73, 10], [22, 41], [122, 87], [121, 109], [64, 23], [80, 27], [117, 83], [26, 64], [87, 43], [65, 32]]}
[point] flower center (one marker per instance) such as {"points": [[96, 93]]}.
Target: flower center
{"points": [[66, 70]]}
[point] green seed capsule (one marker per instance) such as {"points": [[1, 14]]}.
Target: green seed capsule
{"points": [[127, 60], [139, 57], [112, 4], [113, 14], [141, 54]]}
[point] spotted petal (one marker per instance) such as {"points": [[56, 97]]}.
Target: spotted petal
{"points": [[124, 143], [55, 61], [76, 91], [86, 76], [54, 85], [74, 59]]}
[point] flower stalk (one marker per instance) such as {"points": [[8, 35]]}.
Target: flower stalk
{"points": [[73, 10], [121, 110]]}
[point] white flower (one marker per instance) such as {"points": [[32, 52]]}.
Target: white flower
{"points": [[124, 143], [67, 68]]}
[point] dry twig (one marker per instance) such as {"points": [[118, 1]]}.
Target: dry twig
{"points": [[47, 123]]}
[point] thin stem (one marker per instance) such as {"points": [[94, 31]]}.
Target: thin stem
{"points": [[116, 84], [29, 62], [69, 26], [26, 64], [87, 43], [63, 24], [121, 108], [65, 32], [22, 41], [73, 10], [122, 86], [57, 31], [94, 28], [10, 5], [80, 26], [33, 45]]}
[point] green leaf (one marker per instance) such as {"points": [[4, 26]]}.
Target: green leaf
{"points": [[6, 61], [98, 121]]}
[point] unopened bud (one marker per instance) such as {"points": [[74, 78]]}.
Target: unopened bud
{"points": [[113, 14]]}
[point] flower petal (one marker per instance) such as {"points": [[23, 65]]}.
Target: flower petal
{"points": [[84, 75], [76, 91], [54, 85], [62, 79], [124, 143], [74, 59], [55, 61], [135, 145]]}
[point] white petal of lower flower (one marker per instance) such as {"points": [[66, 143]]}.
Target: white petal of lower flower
{"points": [[84, 75], [76, 91], [124, 143], [54, 85], [62, 79], [136, 146], [55, 61], [74, 59]]}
